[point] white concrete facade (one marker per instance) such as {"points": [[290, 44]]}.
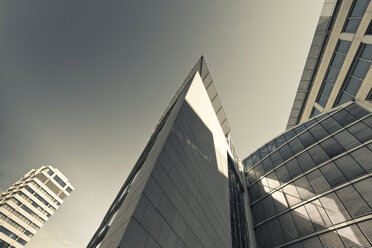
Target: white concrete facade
{"points": [[29, 203]]}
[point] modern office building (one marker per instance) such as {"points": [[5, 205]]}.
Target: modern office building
{"points": [[337, 69], [309, 187], [29, 203]]}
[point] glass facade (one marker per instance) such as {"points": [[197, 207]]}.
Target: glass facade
{"points": [[356, 15], [357, 72], [239, 226], [313, 190], [334, 68]]}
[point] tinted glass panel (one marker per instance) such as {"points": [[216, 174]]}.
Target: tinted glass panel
{"points": [[294, 168], [283, 174], [353, 237], [288, 226], [334, 208], [333, 174], [346, 140], [306, 162], [318, 215], [353, 202], [302, 221], [361, 132], [338, 59], [330, 125], [318, 154], [318, 181], [291, 194], [318, 132], [331, 147], [304, 188], [307, 139], [296, 145], [332, 75]]}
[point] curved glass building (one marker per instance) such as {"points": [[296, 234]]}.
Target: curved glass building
{"points": [[311, 186]]}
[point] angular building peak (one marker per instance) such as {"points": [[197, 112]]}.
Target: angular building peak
{"points": [[186, 189]]}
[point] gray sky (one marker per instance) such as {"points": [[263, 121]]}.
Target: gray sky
{"points": [[83, 84]]}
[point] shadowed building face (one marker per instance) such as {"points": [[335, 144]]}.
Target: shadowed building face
{"points": [[178, 192]]}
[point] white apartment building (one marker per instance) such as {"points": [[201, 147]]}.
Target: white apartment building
{"points": [[29, 203]]}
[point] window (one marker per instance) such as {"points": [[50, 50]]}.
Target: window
{"points": [[355, 16], [356, 74], [8, 233], [335, 66], [314, 112], [41, 199], [29, 234], [59, 181], [14, 224], [4, 244], [50, 172], [21, 241], [69, 190], [30, 190]]}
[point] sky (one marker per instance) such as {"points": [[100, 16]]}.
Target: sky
{"points": [[83, 84]]}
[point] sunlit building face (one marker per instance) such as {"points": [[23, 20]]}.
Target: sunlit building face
{"points": [[29, 203]]}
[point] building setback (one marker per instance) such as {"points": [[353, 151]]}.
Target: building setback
{"points": [[29, 203]]}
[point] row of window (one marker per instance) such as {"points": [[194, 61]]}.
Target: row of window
{"points": [[252, 160], [29, 211], [355, 16], [356, 235], [20, 216], [4, 244], [343, 140], [358, 69], [267, 149], [15, 225], [12, 235], [357, 72], [333, 70], [347, 203], [58, 180], [34, 204], [327, 149], [46, 203], [49, 196]]}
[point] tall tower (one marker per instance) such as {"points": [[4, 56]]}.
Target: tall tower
{"points": [[29, 203], [338, 67], [186, 189]]}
